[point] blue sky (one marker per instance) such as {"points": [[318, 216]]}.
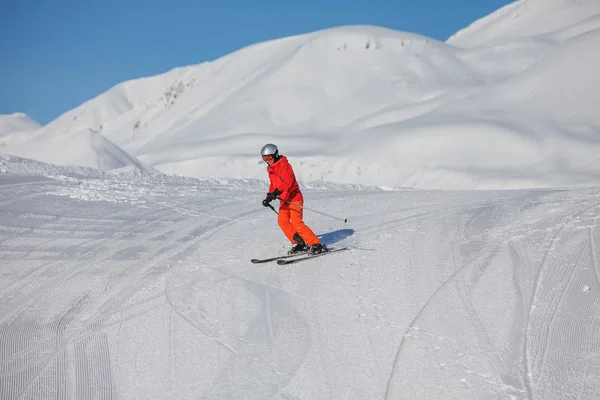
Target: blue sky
{"points": [[54, 55]]}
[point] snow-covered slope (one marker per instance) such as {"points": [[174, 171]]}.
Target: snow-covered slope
{"points": [[126, 286], [531, 20], [507, 102], [15, 128], [80, 147], [10, 123]]}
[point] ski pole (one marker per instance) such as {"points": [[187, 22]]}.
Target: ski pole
{"points": [[310, 209], [272, 208]]}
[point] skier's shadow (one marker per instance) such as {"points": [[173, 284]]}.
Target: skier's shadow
{"points": [[335, 236]]}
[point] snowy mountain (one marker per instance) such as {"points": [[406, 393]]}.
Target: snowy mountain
{"points": [[508, 102], [116, 285], [78, 147], [16, 122], [532, 20], [15, 128]]}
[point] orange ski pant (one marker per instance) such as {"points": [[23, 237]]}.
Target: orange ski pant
{"points": [[290, 221]]}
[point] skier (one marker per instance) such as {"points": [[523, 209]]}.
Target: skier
{"points": [[285, 187]]}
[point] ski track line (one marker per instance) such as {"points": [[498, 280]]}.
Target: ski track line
{"points": [[429, 214], [232, 275], [290, 371], [62, 367], [226, 276], [48, 265], [148, 302], [89, 329], [49, 358], [63, 344], [59, 330], [485, 205], [418, 315], [68, 270], [527, 374], [81, 333], [527, 307], [521, 262], [520, 317], [537, 283], [217, 227], [551, 326], [495, 359], [593, 248], [571, 309], [210, 335], [115, 236], [161, 254], [64, 216], [59, 217], [28, 230]]}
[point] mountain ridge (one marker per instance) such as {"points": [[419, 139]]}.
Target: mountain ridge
{"points": [[352, 104]]}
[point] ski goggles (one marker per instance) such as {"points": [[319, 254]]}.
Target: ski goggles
{"points": [[268, 157]]}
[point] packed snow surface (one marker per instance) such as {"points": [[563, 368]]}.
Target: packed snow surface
{"points": [[130, 284]]}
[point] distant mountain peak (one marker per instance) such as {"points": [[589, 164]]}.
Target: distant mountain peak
{"points": [[528, 19], [16, 122], [513, 92]]}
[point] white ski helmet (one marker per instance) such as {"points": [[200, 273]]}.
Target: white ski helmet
{"points": [[269, 149]]}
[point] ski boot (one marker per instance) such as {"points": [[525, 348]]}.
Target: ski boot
{"points": [[298, 247], [317, 249]]}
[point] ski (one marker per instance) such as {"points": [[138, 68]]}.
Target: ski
{"points": [[308, 257], [283, 257]]}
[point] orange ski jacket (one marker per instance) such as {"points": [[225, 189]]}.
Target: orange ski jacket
{"points": [[281, 176]]}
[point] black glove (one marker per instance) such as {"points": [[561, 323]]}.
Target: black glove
{"points": [[271, 196]]}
